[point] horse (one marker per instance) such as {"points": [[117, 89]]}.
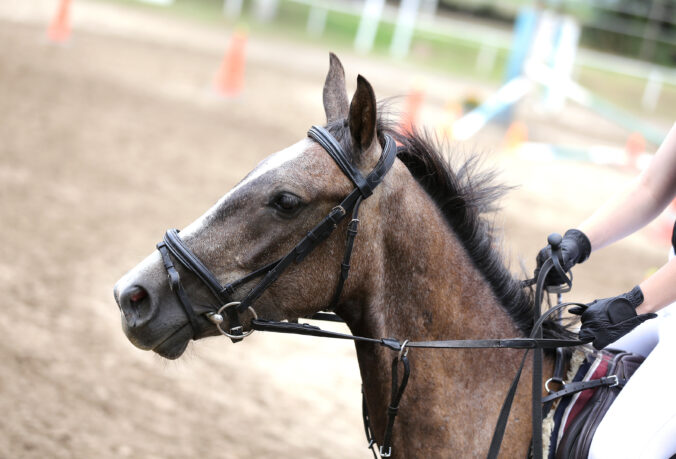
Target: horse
{"points": [[425, 266]]}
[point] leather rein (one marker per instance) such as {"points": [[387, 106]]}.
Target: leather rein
{"points": [[364, 187]]}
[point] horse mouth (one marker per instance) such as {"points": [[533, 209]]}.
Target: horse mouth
{"points": [[174, 345]]}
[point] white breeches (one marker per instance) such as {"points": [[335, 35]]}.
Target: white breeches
{"points": [[641, 423]]}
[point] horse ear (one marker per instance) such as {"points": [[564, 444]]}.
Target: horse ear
{"points": [[362, 118], [335, 94]]}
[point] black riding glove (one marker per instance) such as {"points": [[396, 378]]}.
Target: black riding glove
{"points": [[575, 248], [605, 321]]}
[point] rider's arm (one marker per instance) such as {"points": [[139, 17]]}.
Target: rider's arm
{"points": [[659, 290], [635, 206]]}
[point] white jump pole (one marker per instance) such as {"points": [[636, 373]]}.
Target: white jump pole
{"points": [[485, 61], [429, 7], [316, 20], [562, 61], [232, 8], [368, 26], [506, 96], [401, 41], [545, 76], [651, 94], [265, 10]]}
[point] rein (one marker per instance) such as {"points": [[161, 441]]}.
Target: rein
{"points": [[364, 186], [530, 343]]}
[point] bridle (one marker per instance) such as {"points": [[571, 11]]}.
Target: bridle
{"points": [[172, 243], [364, 186]]}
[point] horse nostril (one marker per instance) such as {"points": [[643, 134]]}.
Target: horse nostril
{"points": [[135, 305], [137, 295]]}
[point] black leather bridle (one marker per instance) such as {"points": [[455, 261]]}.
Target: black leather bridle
{"points": [[364, 186], [173, 244]]}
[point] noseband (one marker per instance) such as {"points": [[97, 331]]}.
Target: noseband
{"points": [[172, 244]]}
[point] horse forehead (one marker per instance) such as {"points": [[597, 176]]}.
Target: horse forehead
{"points": [[283, 163], [287, 159]]}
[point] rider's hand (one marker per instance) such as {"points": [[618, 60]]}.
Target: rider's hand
{"points": [[575, 248], [605, 321]]}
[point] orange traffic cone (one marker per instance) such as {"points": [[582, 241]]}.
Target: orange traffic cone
{"points": [[635, 148], [452, 112], [414, 102], [230, 77], [516, 135], [59, 28]]}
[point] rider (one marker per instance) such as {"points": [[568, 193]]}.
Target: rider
{"points": [[642, 420]]}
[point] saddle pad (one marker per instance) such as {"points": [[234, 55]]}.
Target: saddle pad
{"points": [[578, 415]]}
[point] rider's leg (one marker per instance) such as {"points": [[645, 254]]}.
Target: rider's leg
{"points": [[641, 423]]}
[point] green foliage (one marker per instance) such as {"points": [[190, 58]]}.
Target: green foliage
{"points": [[642, 29]]}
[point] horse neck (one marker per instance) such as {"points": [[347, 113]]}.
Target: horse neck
{"points": [[424, 286], [423, 283]]}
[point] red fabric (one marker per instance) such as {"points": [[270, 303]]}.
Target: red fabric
{"points": [[585, 395]]}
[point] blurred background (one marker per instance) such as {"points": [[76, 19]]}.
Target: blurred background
{"points": [[124, 118]]}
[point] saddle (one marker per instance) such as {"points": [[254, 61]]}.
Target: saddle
{"points": [[583, 402]]}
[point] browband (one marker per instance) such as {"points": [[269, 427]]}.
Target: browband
{"points": [[333, 148]]}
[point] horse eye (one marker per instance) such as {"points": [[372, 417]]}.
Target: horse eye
{"points": [[286, 202]]}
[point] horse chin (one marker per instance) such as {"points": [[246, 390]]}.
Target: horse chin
{"points": [[174, 345]]}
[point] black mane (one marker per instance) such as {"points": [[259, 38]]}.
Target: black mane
{"points": [[463, 196]]}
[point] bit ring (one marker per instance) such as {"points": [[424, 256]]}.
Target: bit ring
{"points": [[230, 335]]}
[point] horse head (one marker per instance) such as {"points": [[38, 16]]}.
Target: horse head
{"points": [[424, 267], [239, 240]]}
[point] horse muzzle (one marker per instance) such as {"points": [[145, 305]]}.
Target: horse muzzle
{"points": [[151, 317]]}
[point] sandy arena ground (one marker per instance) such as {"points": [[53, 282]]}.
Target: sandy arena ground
{"points": [[112, 138]]}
